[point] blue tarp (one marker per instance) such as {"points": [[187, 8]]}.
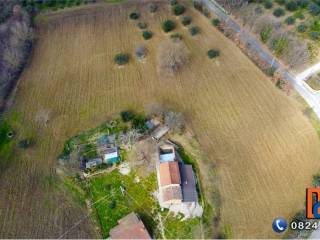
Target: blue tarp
{"points": [[168, 157]]}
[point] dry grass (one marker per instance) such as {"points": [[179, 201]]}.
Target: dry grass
{"points": [[264, 148]]}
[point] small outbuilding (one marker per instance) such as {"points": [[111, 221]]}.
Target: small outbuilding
{"points": [[93, 162], [152, 124], [111, 155], [166, 153], [160, 132]]}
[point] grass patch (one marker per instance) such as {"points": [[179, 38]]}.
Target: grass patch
{"points": [[110, 204], [314, 82], [114, 205]]}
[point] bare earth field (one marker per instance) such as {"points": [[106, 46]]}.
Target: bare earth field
{"points": [[255, 138]]}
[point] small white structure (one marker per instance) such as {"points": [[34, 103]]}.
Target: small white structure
{"points": [[160, 132], [93, 162], [111, 155]]}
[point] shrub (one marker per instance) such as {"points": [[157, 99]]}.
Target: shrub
{"points": [[213, 53], [5, 130], [153, 7], [141, 52], [127, 115], [268, 4], [25, 143], [113, 204], [147, 35], [279, 45], [186, 20], [314, 35], [121, 59], [206, 12], [299, 15], [291, 6], [303, 3], [215, 22], [197, 5], [138, 122], [142, 25], [314, 9], [194, 30], [168, 25], [266, 33], [302, 28], [172, 57], [281, 2], [279, 12], [316, 180], [176, 37], [178, 9], [173, 2], [290, 20], [134, 15], [258, 10]]}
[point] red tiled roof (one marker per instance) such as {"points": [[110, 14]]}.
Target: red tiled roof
{"points": [[169, 173], [130, 227], [171, 193]]}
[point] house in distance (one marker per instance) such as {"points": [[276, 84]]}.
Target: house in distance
{"points": [[129, 227]]}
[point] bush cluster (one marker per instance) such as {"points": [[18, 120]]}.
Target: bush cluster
{"points": [[176, 37], [281, 2], [314, 35], [314, 9], [194, 30], [212, 53], [290, 20], [302, 28], [142, 25], [134, 15], [265, 33], [268, 4], [147, 35], [153, 7], [215, 22], [127, 116], [168, 25], [173, 2], [178, 9], [291, 6], [121, 59], [279, 12], [186, 20]]}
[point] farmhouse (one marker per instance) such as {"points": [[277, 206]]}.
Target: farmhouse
{"points": [[129, 227], [177, 182]]}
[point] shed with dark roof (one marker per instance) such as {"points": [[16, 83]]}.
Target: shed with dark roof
{"points": [[188, 183]]}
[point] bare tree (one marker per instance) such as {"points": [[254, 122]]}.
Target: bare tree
{"points": [[174, 120], [43, 117], [141, 52], [172, 56]]}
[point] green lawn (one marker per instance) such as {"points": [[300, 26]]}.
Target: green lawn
{"points": [[314, 83], [110, 204]]}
